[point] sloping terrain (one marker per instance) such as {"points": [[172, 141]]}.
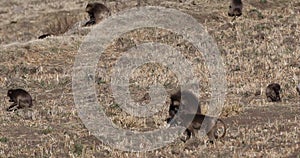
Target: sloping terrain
{"points": [[258, 48]]}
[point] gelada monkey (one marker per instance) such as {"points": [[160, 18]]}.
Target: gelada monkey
{"points": [[273, 92], [189, 102], [298, 88], [235, 8], [185, 98], [210, 126], [20, 99], [96, 12]]}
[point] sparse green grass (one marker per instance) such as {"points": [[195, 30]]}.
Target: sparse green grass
{"points": [[263, 1], [47, 131], [258, 13], [78, 148], [3, 140]]}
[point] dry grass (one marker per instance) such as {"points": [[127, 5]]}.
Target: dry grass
{"points": [[259, 48], [62, 23]]}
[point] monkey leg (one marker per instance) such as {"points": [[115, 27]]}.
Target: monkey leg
{"points": [[89, 23], [13, 107], [211, 136], [168, 120], [269, 99], [187, 134]]}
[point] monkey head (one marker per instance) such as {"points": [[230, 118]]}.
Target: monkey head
{"points": [[185, 101], [235, 8], [89, 7], [10, 95], [273, 92]]}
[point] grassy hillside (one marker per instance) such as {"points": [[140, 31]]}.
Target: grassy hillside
{"points": [[258, 48]]}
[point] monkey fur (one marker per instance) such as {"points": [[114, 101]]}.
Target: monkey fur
{"points": [[20, 99], [235, 8]]}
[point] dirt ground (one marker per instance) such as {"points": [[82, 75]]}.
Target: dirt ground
{"points": [[258, 48]]}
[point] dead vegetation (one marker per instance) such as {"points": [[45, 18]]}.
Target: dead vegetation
{"points": [[260, 47], [61, 24]]}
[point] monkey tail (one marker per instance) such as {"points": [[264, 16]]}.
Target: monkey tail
{"points": [[225, 128]]}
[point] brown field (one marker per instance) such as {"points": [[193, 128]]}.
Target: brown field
{"points": [[258, 48]]}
